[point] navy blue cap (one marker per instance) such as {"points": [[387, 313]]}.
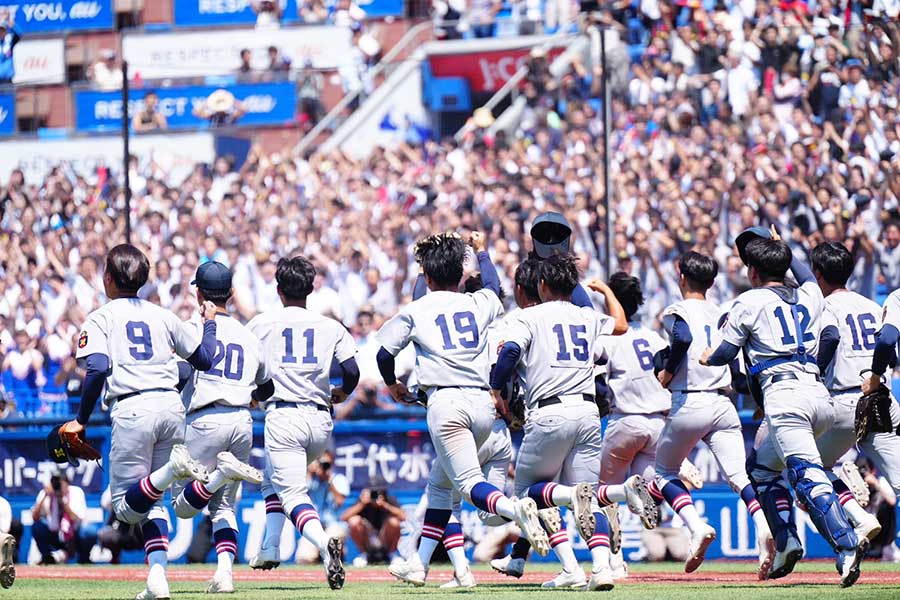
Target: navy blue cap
{"points": [[551, 233], [746, 236], [213, 276]]}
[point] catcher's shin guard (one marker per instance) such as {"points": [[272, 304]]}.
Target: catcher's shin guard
{"points": [[814, 489], [775, 501]]}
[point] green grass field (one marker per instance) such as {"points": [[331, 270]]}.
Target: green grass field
{"points": [[715, 580]]}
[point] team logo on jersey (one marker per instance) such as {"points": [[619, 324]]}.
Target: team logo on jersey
{"points": [[82, 339]]}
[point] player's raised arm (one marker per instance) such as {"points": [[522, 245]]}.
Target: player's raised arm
{"points": [[490, 280], [198, 356], [613, 306]]}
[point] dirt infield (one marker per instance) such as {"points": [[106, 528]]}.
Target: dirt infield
{"points": [[101, 573]]}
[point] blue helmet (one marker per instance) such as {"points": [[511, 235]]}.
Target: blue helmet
{"points": [[746, 236], [550, 234]]}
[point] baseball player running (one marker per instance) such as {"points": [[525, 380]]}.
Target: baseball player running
{"points": [[298, 427], [846, 349], [127, 345], [701, 411], [556, 343], [7, 560], [219, 426], [780, 326], [449, 329]]}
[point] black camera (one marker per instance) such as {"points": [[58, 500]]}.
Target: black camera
{"points": [[375, 494], [324, 465], [55, 484]]}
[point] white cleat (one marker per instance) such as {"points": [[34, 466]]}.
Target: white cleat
{"points": [[601, 580], [620, 572], [847, 564], [530, 525], [467, 581], [157, 586], [7, 560], [867, 529], [615, 528], [566, 581], [691, 474], [853, 478], [333, 560], [409, 571], [766, 545], [509, 566], [618, 565], [700, 541], [235, 470], [785, 560], [267, 559], [221, 583], [186, 467], [582, 511], [551, 519], [640, 502]]}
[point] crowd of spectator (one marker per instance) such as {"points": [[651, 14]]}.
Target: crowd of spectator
{"points": [[737, 115]]}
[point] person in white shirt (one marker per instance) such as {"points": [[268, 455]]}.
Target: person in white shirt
{"points": [[58, 513]]}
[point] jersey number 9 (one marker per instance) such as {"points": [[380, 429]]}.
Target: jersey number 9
{"points": [[138, 334]]}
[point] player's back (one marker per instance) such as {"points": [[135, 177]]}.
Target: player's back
{"points": [[300, 346], [559, 342], [702, 318], [141, 340], [237, 368], [763, 320], [449, 331], [857, 321], [633, 387]]}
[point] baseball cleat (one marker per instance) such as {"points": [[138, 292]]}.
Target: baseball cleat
{"points": [[690, 474], [530, 525], [221, 583], [847, 564], [582, 511], [785, 560], [566, 580], [467, 581], [700, 541], [266, 560], [615, 528], [867, 529], [409, 571], [640, 502], [853, 478], [157, 586], [601, 580], [7, 560], [185, 467], [235, 470], [551, 519], [509, 566], [334, 565]]}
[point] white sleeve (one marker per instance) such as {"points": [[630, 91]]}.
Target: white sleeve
{"points": [[891, 313], [488, 305], [184, 336], [345, 348], [94, 337], [737, 324], [519, 332], [396, 333], [77, 502]]}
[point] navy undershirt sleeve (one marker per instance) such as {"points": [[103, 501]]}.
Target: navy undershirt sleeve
{"points": [[581, 298], [184, 374], [349, 375], [386, 367], [724, 354], [421, 288], [489, 278], [801, 271], [681, 341], [885, 349], [202, 357], [506, 365], [94, 378], [828, 343], [264, 391]]}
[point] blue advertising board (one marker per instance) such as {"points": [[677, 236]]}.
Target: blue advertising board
{"points": [[208, 13], [264, 103], [382, 8], [7, 114], [64, 15]]}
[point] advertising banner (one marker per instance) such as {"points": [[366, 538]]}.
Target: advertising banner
{"points": [[7, 114], [40, 62], [486, 71], [63, 15]]}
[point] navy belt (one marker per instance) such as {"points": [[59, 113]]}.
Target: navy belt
{"points": [[718, 391], [856, 389], [284, 404], [138, 393], [787, 377], [216, 405], [460, 387], [557, 400]]}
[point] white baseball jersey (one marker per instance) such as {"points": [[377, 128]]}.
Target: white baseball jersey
{"points": [[856, 319], [633, 387], [238, 367], [141, 340], [559, 342], [702, 318], [763, 322], [449, 331], [890, 315], [301, 345]]}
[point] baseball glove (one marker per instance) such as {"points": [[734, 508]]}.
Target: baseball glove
{"points": [[873, 413], [69, 447], [516, 408]]}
